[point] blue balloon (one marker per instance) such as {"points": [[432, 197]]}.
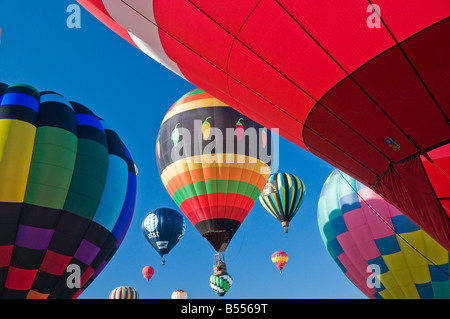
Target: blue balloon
{"points": [[163, 228]]}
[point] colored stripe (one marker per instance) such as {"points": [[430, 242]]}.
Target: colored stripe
{"points": [[194, 104], [90, 120], [216, 186], [114, 193], [20, 99], [33, 237], [218, 161], [51, 167], [215, 173], [15, 152]]}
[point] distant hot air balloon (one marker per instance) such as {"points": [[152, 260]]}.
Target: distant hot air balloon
{"points": [[179, 294], [282, 197], [379, 249], [362, 85], [221, 284], [67, 193], [163, 228], [279, 259], [124, 292], [148, 272], [214, 181]]}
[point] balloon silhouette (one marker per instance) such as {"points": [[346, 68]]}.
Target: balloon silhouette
{"points": [[379, 249], [323, 73], [163, 228], [67, 193]]}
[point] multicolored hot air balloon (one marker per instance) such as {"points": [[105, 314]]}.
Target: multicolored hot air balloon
{"points": [[124, 292], [163, 228], [280, 259], [221, 284], [363, 86], [67, 193], [179, 294], [148, 272], [215, 181], [282, 197], [379, 249]]}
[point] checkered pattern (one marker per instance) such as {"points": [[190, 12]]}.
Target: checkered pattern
{"points": [[359, 229]]}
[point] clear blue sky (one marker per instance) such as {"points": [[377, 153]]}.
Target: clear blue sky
{"points": [[95, 67]]}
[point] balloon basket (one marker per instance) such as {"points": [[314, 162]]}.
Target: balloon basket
{"points": [[220, 268]]}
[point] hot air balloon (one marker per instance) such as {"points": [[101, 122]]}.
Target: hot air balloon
{"points": [[379, 249], [362, 86], [282, 197], [280, 259], [221, 284], [179, 294], [216, 181], [124, 292], [67, 194], [163, 228], [148, 272]]}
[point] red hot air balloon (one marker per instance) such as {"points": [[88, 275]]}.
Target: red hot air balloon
{"points": [[362, 86], [148, 272]]}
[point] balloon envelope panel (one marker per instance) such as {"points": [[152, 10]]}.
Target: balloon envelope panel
{"points": [[360, 229], [67, 193]]}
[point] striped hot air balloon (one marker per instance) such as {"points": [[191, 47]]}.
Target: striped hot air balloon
{"points": [[67, 193], [213, 162], [282, 197], [124, 292]]}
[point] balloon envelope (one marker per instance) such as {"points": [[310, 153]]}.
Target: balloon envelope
{"points": [[67, 193], [163, 228], [221, 284], [148, 272], [124, 292], [322, 72], [213, 162], [282, 197], [179, 294], [365, 235], [279, 259]]}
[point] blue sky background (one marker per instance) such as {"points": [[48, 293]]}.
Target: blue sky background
{"points": [[94, 66]]}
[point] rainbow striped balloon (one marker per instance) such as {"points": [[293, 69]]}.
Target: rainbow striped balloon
{"points": [[378, 248], [214, 162], [124, 292]]}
